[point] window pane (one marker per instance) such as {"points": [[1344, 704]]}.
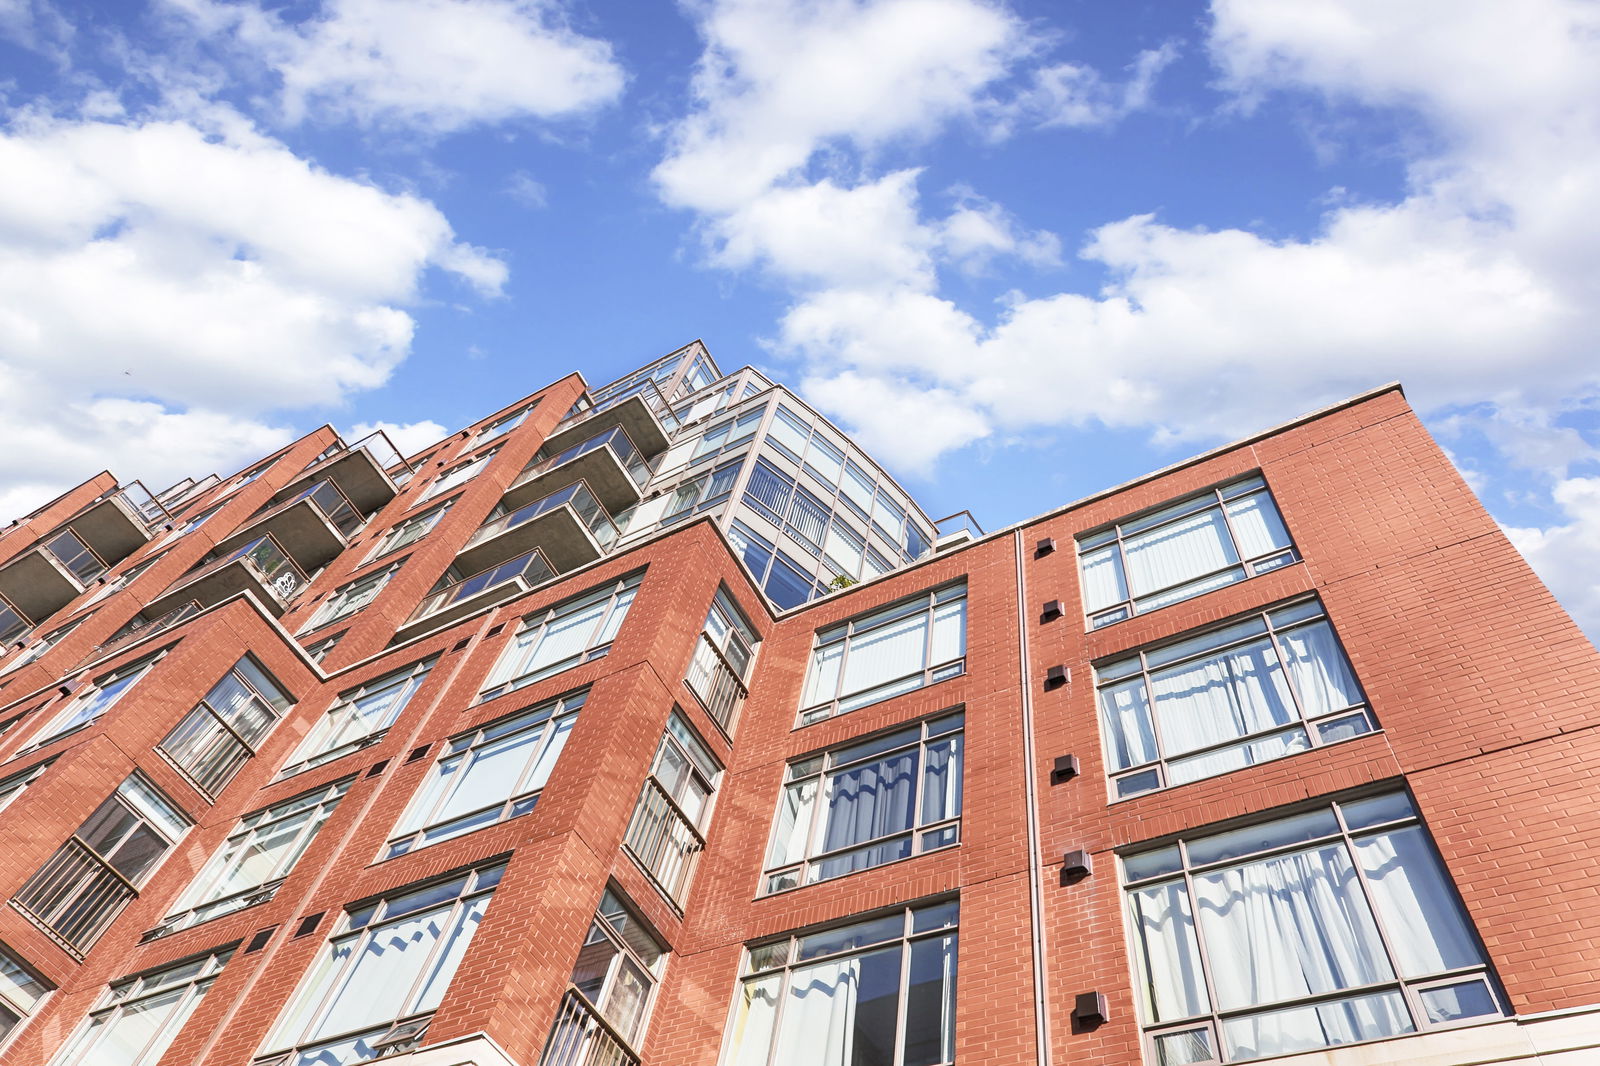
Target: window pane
{"points": [[885, 653], [1256, 523], [1343, 1021], [1125, 719], [1419, 909], [1102, 579], [1170, 974], [931, 1002], [1239, 692], [1322, 675], [1176, 553]]}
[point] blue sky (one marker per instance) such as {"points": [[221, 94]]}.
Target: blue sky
{"points": [[1024, 251]]}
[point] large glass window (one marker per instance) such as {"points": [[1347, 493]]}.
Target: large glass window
{"points": [[503, 425], [617, 969], [1269, 686], [87, 706], [411, 530], [721, 661], [778, 574], [350, 598], [1181, 550], [1332, 926], [383, 974], [255, 858], [20, 993], [358, 718], [897, 649], [80, 890], [213, 741], [15, 785], [879, 992], [875, 801], [458, 475], [491, 774], [567, 634], [138, 1017], [667, 831]]}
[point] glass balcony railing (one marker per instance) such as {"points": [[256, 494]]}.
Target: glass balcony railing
{"points": [[959, 524], [273, 566], [144, 503], [616, 438], [71, 552], [139, 629], [646, 390], [334, 505], [530, 567], [577, 496]]}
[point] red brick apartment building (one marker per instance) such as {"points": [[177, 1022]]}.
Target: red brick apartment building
{"points": [[655, 724]]}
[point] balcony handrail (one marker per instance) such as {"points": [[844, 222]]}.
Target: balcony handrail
{"points": [[311, 491], [581, 498], [126, 636], [577, 1052], [268, 570], [720, 679], [955, 523], [628, 455], [647, 390], [188, 488], [48, 544], [144, 502], [667, 860], [441, 599]]}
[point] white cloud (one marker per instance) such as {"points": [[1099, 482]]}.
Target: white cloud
{"points": [[1567, 556], [407, 437], [1075, 95], [522, 188], [438, 65], [168, 289]]}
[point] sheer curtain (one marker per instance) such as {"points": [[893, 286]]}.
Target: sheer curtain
{"points": [[752, 1026], [1102, 578], [1175, 553], [941, 781], [1289, 926], [794, 824], [871, 801], [819, 1019], [1207, 702], [1130, 738], [1257, 524], [1169, 957], [1419, 910], [1321, 674]]}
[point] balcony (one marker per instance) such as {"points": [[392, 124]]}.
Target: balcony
{"points": [[644, 413], [261, 568], [14, 625], [360, 471], [497, 584], [715, 682], [952, 531], [75, 896], [581, 1037], [313, 526], [569, 526], [47, 577], [663, 839], [140, 628], [608, 461], [119, 523]]}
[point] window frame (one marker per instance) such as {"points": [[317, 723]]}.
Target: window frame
{"points": [[553, 719], [781, 957], [500, 680], [1345, 835], [503, 425], [359, 925], [61, 724], [14, 785], [447, 479], [700, 767], [845, 632], [14, 971], [1218, 497], [604, 927], [428, 519], [821, 768], [336, 607], [1272, 632], [192, 908], [130, 991], [225, 731], [409, 679]]}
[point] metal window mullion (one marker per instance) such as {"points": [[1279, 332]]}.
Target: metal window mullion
{"points": [[1385, 937], [814, 837], [903, 992], [1202, 946], [1289, 683]]}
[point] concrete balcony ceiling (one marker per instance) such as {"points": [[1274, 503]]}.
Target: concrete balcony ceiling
{"points": [[356, 472], [37, 584], [301, 527], [558, 532], [633, 415], [608, 479], [112, 527]]}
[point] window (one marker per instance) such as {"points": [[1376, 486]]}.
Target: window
{"points": [[410, 531], [494, 773], [617, 969], [319, 650], [779, 576], [87, 707], [1327, 927], [348, 599], [667, 829], [138, 1017], [20, 993], [84, 886], [458, 475], [15, 785], [721, 661], [853, 991], [1181, 550], [504, 425], [1269, 686], [41, 646], [569, 633], [200, 519], [213, 741], [876, 801], [358, 718], [14, 625], [255, 858], [375, 988], [897, 649]]}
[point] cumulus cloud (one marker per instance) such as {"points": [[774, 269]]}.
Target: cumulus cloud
{"points": [[407, 437], [1567, 555], [437, 65], [169, 288]]}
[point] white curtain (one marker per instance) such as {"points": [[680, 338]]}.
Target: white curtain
{"points": [[1294, 925], [1420, 912], [1102, 578], [870, 801], [819, 1017], [1369, 1017], [1125, 720], [941, 781], [1169, 957], [752, 1027], [885, 653], [822, 680], [1230, 695], [565, 637], [1178, 552], [1256, 522], [1248, 753], [794, 823], [949, 639], [391, 960], [1320, 671]]}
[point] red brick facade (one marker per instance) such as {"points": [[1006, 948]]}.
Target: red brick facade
{"points": [[1482, 688]]}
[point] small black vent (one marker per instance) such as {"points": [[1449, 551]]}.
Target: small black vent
{"points": [[417, 753], [1045, 546], [309, 924], [378, 768], [462, 643], [496, 631], [259, 941]]}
